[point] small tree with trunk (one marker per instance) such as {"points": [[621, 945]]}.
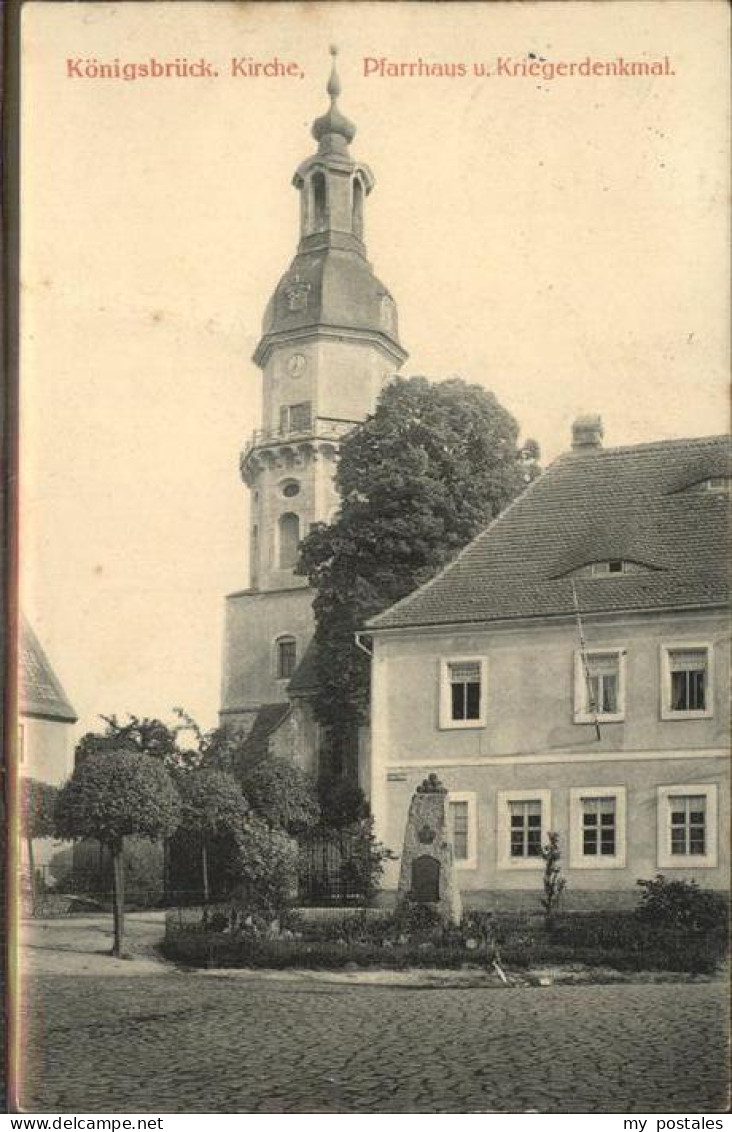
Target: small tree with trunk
{"points": [[212, 804], [113, 795], [38, 800], [554, 882]]}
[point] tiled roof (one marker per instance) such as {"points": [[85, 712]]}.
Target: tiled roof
{"points": [[642, 504], [40, 693], [256, 745], [305, 677]]}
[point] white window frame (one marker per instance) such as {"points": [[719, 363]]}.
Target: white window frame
{"points": [[503, 823], [577, 858], [669, 860], [447, 723], [581, 691], [667, 648], [469, 796]]}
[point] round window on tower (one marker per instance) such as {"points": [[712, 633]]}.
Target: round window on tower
{"points": [[290, 488]]}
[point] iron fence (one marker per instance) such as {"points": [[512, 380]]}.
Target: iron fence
{"points": [[330, 870]]}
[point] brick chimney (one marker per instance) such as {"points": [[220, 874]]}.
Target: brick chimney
{"points": [[587, 432]]}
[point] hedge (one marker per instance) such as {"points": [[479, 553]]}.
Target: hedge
{"points": [[637, 949]]}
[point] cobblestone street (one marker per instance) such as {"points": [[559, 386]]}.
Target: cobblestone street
{"points": [[177, 1042]]}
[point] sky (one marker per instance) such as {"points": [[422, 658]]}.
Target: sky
{"points": [[562, 241]]}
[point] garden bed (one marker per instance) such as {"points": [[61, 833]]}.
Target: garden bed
{"points": [[373, 939]]}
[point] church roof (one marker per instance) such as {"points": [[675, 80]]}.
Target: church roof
{"points": [[40, 693], [256, 745], [647, 506], [305, 677], [331, 288]]}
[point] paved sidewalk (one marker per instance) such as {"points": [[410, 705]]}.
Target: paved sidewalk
{"points": [[82, 945]]}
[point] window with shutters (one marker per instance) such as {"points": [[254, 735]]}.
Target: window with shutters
{"points": [[687, 826], [599, 685], [463, 692], [597, 827], [686, 681]]}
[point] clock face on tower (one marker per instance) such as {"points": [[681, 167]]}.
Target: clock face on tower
{"points": [[296, 364]]}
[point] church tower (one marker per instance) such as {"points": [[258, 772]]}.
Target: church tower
{"points": [[329, 344]]}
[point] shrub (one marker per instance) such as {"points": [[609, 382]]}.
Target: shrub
{"points": [[342, 802], [365, 865], [681, 904], [414, 919], [476, 924], [266, 866], [200, 950], [282, 794]]}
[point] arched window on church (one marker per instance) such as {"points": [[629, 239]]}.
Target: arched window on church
{"points": [[286, 657], [357, 208], [320, 204], [289, 539]]}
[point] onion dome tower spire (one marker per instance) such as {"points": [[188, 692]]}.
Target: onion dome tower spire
{"points": [[332, 131], [330, 288]]}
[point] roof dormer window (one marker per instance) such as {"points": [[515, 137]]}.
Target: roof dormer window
{"points": [[718, 485], [612, 566]]}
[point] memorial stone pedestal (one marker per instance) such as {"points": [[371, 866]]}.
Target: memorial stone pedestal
{"points": [[427, 874]]}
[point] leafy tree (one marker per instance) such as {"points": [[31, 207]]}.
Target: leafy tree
{"points": [[282, 794], [342, 801], [37, 802], [146, 736], [418, 480], [212, 804], [110, 796]]}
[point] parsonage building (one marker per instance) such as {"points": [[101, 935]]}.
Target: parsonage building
{"points": [[569, 671]]}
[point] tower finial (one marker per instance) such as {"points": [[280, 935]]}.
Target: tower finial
{"points": [[332, 129], [334, 83]]}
